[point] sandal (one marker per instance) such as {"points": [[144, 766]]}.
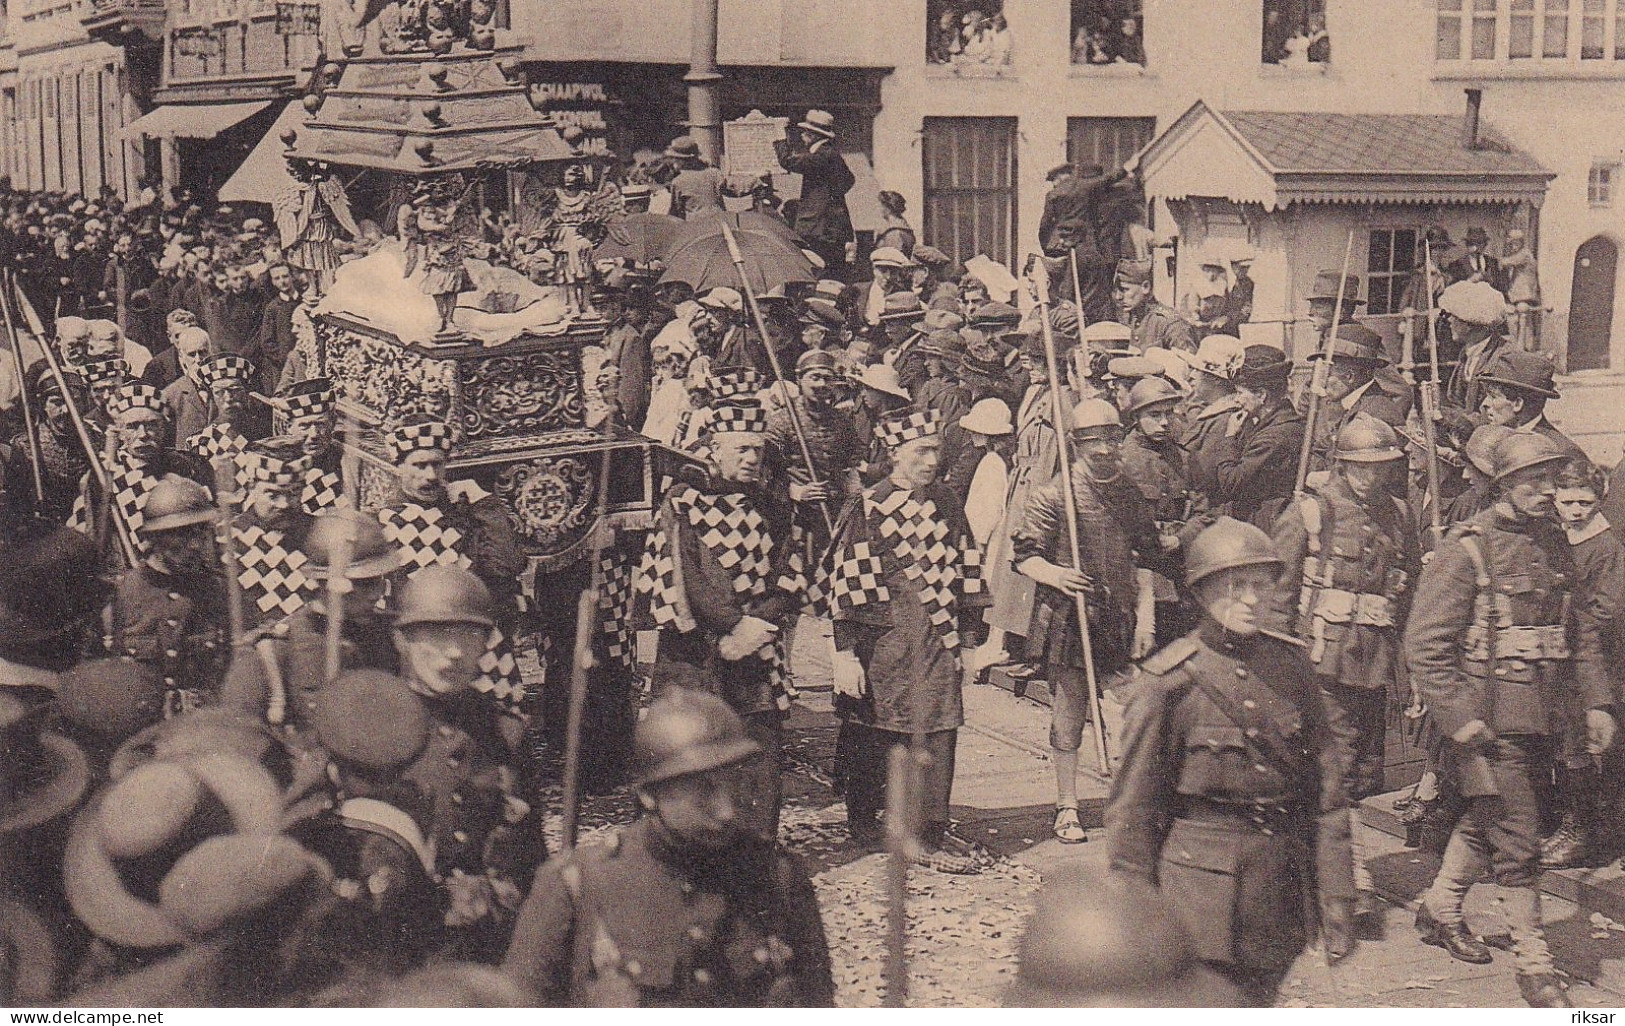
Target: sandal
{"points": [[1067, 828]]}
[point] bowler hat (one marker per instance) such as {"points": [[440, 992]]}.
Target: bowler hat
{"points": [[1356, 343], [48, 586], [1262, 365]]}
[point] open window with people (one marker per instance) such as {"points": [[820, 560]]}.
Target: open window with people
{"points": [[1295, 33], [967, 34], [1108, 32]]}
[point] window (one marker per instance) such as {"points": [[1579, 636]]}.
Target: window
{"points": [[1108, 142], [1530, 30], [1295, 33], [967, 34], [1600, 184], [1392, 257], [1106, 32], [969, 167]]}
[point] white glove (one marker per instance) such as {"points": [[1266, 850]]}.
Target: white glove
{"points": [[849, 676], [810, 491], [749, 636], [1599, 731]]}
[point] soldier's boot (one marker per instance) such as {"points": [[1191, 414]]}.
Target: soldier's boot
{"points": [[1537, 975], [1569, 845], [1439, 917]]}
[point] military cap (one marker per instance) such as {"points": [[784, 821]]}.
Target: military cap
{"points": [[1136, 271], [822, 312], [995, 314], [817, 359]]}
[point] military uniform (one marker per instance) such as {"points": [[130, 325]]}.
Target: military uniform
{"points": [[276, 675], [1500, 634], [837, 451], [1231, 799], [1350, 570], [177, 625], [637, 922], [1158, 326]]}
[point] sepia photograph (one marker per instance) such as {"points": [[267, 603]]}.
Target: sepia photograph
{"points": [[874, 504]]}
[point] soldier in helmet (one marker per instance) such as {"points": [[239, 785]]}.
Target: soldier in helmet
{"points": [[1110, 941], [453, 777], [1113, 581], [682, 909], [458, 524], [1155, 463], [723, 580], [1504, 649], [278, 672], [1350, 555], [170, 612], [1230, 799]]}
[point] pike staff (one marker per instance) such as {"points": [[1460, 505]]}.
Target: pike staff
{"points": [[738, 258], [338, 570], [1063, 418], [1322, 371], [1430, 401], [583, 658], [97, 467]]}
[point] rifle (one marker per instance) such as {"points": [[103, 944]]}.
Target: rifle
{"points": [[1063, 418], [1323, 370]]}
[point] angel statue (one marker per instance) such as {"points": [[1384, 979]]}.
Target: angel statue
{"points": [[428, 233], [309, 216]]}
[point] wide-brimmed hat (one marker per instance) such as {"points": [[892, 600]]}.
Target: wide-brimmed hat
{"points": [[43, 773], [882, 377], [988, 417], [1526, 372], [1474, 302], [902, 306], [683, 147], [49, 585], [821, 122], [1262, 365], [1355, 343], [1325, 288]]}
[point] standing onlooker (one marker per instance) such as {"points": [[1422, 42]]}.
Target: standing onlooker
{"points": [[1523, 290], [822, 219], [897, 234]]}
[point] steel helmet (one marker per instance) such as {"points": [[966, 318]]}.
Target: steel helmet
{"points": [[1365, 439], [1096, 417], [1152, 392], [371, 554], [686, 731], [1481, 447], [176, 502], [1521, 450], [444, 594], [1226, 545], [1109, 940]]}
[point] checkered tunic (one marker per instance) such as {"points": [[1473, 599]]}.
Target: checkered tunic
{"points": [[131, 483], [219, 440], [900, 531], [427, 540], [733, 531], [271, 573], [322, 491]]}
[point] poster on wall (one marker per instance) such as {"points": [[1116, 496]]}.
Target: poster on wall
{"points": [[747, 145]]}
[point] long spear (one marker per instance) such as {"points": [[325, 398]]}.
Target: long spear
{"points": [[1063, 419], [103, 479], [1430, 403], [900, 804], [1322, 371], [584, 658], [738, 258], [22, 394], [338, 569]]}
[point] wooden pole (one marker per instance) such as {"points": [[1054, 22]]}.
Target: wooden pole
{"points": [[584, 658], [1322, 370], [23, 397], [900, 801], [1063, 419]]}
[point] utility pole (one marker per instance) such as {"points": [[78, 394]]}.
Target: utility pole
{"points": [[704, 118]]}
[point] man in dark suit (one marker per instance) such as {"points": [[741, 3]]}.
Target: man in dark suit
{"points": [[1477, 265], [822, 219]]}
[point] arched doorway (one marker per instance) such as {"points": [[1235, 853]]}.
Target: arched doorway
{"points": [[1591, 304]]}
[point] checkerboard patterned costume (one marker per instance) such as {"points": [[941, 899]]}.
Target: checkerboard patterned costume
{"points": [[222, 440], [137, 396], [615, 606], [430, 436], [225, 367], [131, 483], [735, 534], [272, 573], [322, 491], [426, 539], [100, 371], [310, 398]]}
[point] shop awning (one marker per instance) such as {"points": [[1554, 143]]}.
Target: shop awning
{"points": [[194, 120], [263, 176], [1277, 158]]}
